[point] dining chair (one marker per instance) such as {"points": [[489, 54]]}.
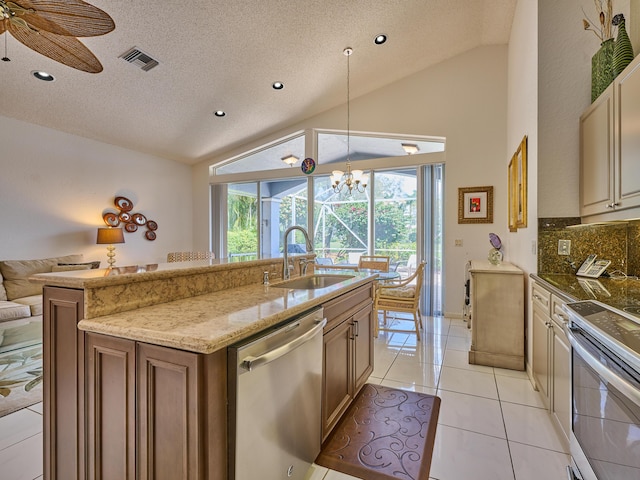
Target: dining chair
{"points": [[400, 297], [189, 256], [379, 263]]}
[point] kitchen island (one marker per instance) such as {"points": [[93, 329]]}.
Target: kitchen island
{"points": [[136, 361]]}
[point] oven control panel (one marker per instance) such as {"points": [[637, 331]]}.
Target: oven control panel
{"points": [[616, 329]]}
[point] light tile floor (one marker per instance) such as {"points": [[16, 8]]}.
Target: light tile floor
{"points": [[491, 426]]}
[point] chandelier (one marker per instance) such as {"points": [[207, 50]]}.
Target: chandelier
{"points": [[351, 179]]}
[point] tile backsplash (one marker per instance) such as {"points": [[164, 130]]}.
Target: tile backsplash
{"points": [[618, 242]]}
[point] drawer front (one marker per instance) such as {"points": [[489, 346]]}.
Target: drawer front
{"points": [[541, 298], [346, 305], [558, 315]]}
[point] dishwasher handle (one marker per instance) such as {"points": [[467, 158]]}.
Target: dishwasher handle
{"points": [[251, 363]]}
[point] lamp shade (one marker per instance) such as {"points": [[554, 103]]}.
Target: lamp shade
{"points": [[109, 236]]}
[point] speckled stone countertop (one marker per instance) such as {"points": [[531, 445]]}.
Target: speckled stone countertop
{"points": [[209, 322], [618, 293], [199, 306]]}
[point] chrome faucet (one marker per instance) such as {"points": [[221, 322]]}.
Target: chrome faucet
{"points": [[286, 274]]}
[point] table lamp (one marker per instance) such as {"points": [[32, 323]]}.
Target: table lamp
{"points": [[108, 236]]}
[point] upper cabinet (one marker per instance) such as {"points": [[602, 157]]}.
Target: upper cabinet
{"points": [[610, 147]]}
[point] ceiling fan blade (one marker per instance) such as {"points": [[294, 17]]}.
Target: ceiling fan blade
{"points": [[69, 17], [3, 26], [67, 50]]}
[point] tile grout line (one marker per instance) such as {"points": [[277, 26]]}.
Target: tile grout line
{"points": [[504, 425]]}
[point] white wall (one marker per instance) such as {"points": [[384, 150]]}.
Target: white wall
{"points": [[462, 99], [54, 188], [522, 119]]}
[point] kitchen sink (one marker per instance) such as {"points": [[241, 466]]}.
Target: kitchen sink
{"points": [[311, 282]]}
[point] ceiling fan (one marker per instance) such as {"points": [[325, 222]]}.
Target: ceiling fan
{"points": [[50, 27]]}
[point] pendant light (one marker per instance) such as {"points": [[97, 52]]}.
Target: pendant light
{"points": [[352, 179]]}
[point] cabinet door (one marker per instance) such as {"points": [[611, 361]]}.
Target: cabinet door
{"points": [[628, 105], [363, 346], [337, 388], [169, 414], [597, 193], [540, 354], [561, 375], [64, 434], [111, 365]]}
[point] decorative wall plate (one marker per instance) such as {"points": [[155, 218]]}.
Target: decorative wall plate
{"points": [[138, 219], [131, 227], [111, 219], [308, 166], [123, 204], [151, 225], [125, 217], [151, 235]]}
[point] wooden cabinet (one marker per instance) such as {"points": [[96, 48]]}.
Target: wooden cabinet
{"points": [[63, 348], [560, 367], [541, 322], [118, 409], [552, 356], [497, 315], [111, 392], [177, 430], [348, 352], [610, 145]]}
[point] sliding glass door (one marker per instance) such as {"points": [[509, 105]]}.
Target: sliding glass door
{"points": [[395, 218]]}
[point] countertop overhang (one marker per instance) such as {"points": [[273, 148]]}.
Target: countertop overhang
{"points": [[209, 322]]}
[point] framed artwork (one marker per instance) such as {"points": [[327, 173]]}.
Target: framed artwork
{"points": [[475, 205], [518, 186], [513, 207]]}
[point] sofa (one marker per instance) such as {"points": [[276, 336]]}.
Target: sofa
{"points": [[21, 300]]}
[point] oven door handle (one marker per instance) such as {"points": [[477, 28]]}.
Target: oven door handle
{"points": [[626, 388]]}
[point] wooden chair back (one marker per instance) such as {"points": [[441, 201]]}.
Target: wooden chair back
{"points": [[189, 256], [374, 262]]}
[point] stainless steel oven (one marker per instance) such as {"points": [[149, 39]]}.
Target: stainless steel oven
{"points": [[605, 375]]}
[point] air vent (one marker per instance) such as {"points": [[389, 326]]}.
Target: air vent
{"points": [[140, 59]]}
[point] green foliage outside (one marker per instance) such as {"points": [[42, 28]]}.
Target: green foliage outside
{"points": [[394, 229], [242, 234]]}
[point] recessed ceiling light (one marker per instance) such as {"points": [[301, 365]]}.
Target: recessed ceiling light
{"points": [[44, 76], [380, 39], [219, 113], [278, 85]]}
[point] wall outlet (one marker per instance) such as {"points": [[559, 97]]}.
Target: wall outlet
{"points": [[564, 247], [458, 242]]}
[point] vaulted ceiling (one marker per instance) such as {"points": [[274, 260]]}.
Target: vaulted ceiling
{"points": [[225, 55]]}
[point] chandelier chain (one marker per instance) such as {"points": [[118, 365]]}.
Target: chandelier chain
{"points": [[348, 54]]}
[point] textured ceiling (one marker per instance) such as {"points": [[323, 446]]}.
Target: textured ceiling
{"points": [[225, 54]]}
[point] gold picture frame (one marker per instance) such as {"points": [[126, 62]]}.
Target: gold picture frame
{"points": [[475, 205], [518, 188], [513, 207]]}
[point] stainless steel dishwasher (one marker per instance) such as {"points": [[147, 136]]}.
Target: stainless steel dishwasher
{"points": [[275, 383]]}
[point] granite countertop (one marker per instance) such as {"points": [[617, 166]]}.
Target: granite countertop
{"points": [[209, 322], [618, 293], [95, 278]]}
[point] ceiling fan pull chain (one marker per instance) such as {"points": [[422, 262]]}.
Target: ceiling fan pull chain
{"points": [[5, 58]]}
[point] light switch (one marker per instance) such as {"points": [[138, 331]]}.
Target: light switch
{"points": [[458, 242], [564, 247]]}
